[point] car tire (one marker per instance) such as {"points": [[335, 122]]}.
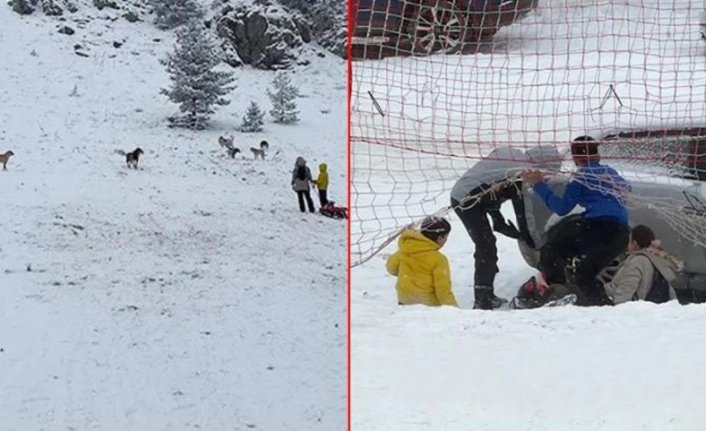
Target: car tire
{"points": [[437, 26]]}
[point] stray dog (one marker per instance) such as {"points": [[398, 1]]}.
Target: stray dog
{"points": [[227, 143], [132, 157], [4, 158], [233, 151], [264, 146]]}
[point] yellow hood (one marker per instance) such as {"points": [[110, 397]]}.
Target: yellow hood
{"points": [[412, 241], [322, 181]]}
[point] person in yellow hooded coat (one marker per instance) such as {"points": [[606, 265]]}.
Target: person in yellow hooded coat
{"points": [[322, 183], [422, 271]]}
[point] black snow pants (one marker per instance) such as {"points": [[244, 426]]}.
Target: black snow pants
{"points": [[304, 194], [475, 219], [323, 198], [595, 242]]}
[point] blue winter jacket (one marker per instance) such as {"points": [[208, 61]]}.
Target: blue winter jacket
{"points": [[587, 189]]}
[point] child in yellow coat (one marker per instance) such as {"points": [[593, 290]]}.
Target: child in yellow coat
{"points": [[322, 184], [423, 274]]}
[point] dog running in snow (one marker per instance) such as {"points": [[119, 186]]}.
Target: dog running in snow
{"points": [[131, 158], [264, 146], [4, 158]]}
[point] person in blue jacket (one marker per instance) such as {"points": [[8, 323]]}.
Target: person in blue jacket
{"points": [[599, 235]]}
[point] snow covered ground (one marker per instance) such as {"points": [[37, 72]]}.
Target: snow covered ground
{"points": [[188, 294], [637, 366], [633, 367]]}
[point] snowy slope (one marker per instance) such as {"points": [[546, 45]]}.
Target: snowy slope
{"points": [[632, 367], [190, 294]]}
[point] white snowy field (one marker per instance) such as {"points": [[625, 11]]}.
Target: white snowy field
{"points": [[188, 294], [636, 366], [630, 367]]}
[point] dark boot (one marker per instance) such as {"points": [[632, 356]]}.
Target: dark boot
{"points": [[485, 299]]}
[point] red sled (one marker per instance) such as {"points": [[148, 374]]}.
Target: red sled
{"points": [[331, 210]]}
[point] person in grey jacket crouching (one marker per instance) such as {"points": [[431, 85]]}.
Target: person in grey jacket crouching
{"points": [[635, 278]]}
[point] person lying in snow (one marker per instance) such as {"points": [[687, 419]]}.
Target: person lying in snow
{"points": [[647, 273], [423, 274]]}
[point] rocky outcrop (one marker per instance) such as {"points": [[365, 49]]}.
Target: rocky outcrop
{"points": [[22, 7], [49, 7], [328, 22], [264, 35]]}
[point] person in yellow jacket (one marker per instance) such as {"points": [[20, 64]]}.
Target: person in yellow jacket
{"points": [[423, 274], [322, 183]]}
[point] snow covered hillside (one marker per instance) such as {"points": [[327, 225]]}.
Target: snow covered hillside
{"points": [[188, 294], [636, 366]]}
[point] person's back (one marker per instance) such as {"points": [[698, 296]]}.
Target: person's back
{"points": [[646, 260], [497, 166], [322, 179], [422, 271], [322, 184], [301, 175], [301, 180]]}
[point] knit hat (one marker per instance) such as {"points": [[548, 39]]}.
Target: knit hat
{"points": [[434, 227], [584, 146]]}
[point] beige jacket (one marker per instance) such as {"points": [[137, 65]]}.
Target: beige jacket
{"points": [[634, 277]]}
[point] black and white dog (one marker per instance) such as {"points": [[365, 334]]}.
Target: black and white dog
{"points": [[264, 146], [227, 143]]}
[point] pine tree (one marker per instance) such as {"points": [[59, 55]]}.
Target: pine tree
{"points": [[196, 86], [170, 14], [253, 119], [284, 107]]}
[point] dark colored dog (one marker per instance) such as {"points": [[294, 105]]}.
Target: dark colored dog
{"points": [[232, 151], [4, 158], [132, 158]]}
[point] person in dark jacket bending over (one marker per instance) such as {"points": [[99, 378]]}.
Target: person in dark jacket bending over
{"points": [[598, 236], [478, 194]]}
